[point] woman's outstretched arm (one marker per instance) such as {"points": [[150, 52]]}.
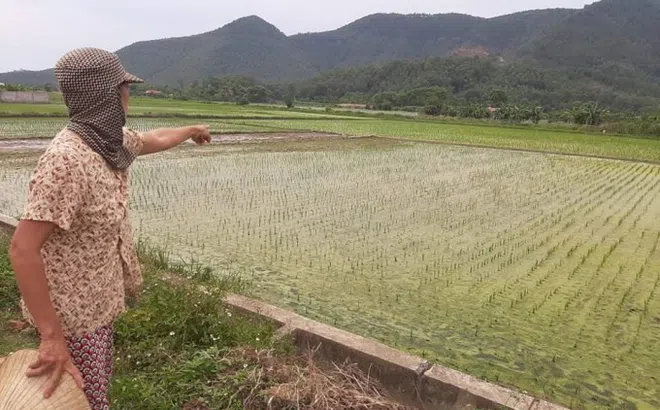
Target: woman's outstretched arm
{"points": [[162, 139]]}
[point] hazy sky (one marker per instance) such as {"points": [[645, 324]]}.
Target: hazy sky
{"points": [[35, 33]]}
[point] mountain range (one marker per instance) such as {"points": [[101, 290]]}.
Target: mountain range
{"points": [[617, 37]]}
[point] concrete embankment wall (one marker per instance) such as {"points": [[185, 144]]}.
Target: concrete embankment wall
{"points": [[411, 380], [24, 97]]}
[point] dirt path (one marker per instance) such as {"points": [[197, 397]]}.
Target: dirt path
{"points": [[40, 144], [271, 136], [23, 144]]}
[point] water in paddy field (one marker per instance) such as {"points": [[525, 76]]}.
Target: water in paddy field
{"points": [[530, 270]]}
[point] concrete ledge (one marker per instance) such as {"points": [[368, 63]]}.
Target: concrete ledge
{"points": [[409, 379], [442, 386], [399, 372], [277, 316]]}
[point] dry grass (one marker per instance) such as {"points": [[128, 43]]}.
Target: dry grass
{"points": [[273, 382], [261, 379]]}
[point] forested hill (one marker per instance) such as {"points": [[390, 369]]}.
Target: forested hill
{"points": [[253, 47], [389, 37], [249, 46], [612, 46], [622, 35]]}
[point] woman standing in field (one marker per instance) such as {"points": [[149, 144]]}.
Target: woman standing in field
{"points": [[73, 250]]}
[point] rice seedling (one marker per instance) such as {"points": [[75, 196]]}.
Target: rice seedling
{"points": [[498, 263]]}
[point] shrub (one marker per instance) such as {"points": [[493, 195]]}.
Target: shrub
{"points": [[433, 110]]}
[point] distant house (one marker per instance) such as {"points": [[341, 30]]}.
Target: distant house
{"points": [[153, 92], [2, 84]]}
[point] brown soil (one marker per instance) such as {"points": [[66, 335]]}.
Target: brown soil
{"points": [[28, 144], [23, 144], [284, 136]]}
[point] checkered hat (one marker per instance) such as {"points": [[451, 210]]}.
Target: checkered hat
{"points": [[89, 79], [87, 69]]}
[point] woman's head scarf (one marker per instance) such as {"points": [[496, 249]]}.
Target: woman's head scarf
{"points": [[89, 79]]}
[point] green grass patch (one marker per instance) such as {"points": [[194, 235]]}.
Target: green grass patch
{"points": [[32, 109], [169, 347], [11, 340], [144, 106]]}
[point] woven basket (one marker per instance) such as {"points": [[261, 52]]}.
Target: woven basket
{"points": [[19, 392]]}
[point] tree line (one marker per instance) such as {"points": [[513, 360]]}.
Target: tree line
{"points": [[463, 87]]}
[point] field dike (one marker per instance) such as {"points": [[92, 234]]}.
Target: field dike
{"points": [[411, 380], [10, 145]]}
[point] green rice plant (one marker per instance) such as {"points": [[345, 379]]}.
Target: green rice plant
{"points": [[480, 249]]}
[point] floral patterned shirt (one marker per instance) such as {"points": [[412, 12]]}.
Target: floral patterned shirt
{"points": [[90, 260]]}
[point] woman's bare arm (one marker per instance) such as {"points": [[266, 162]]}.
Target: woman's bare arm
{"points": [[25, 256], [162, 139]]}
